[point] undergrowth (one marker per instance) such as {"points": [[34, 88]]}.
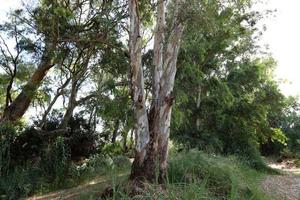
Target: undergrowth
{"points": [[191, 175], [49, 170], [196, 175], [45, 177]]}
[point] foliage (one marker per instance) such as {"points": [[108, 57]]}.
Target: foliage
{"points": [[7, 136], [227, 99]]}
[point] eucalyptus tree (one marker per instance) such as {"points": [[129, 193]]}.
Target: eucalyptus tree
{"points": [[216, 37], [152, 130], [45, 47], [223, 88], [14, 68], [60, 26]]}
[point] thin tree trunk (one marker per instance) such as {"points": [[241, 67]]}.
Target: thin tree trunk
{"points": [[77, 79], [9, 87], [125, 147], [115, 132], [95, 120], [71, 105], [59, 92], [198, 107], [158, 48], [19, 106], [91, 116]]}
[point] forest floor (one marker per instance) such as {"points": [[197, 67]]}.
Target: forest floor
{"points": [[285, 186]]}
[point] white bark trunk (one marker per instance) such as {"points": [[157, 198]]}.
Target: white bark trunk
{"points": [[158, 48], [137, 83], [153, 131]]}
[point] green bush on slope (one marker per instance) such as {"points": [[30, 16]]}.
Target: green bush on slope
{"points": [[219, 177]]}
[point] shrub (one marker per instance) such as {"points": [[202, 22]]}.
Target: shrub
{"points": [[7, 137], [113, 149], [55, 161]]}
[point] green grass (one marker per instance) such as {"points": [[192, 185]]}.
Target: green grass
{"points": [[196, 175], [31, 180], [191, 175], [219, 177]]}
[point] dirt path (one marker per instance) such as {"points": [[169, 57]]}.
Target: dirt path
{"points": [[88, 190], [285, 186]]}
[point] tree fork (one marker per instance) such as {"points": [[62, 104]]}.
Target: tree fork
{"points": [[152, 130]]}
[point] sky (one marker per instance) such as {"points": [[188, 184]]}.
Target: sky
{"points": [[282, 36]]}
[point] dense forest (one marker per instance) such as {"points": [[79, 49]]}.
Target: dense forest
{"points": [[165, 99]]}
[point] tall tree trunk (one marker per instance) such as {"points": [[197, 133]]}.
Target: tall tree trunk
{"points": [[19, 106], [137, 87], [151, 164]]}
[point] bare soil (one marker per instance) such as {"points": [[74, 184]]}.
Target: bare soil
{"points": [[285, 186]]}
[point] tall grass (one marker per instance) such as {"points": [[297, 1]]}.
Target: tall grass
{"points": [[196, 175]]}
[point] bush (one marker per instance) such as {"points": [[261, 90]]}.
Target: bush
{"points": [[193, 167], [252, 158], [113, 149], [7, 137], [55, 161], [21, 182], [80, 134], [27, 146], [213, 177]]}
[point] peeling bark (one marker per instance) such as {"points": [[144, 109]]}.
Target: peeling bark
{"points": [[137, 87], [151, 160], [158, 48]]}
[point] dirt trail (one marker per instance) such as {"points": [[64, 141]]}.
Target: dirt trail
{"points": [[285, 186], [92, 188], [72, 193]]}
